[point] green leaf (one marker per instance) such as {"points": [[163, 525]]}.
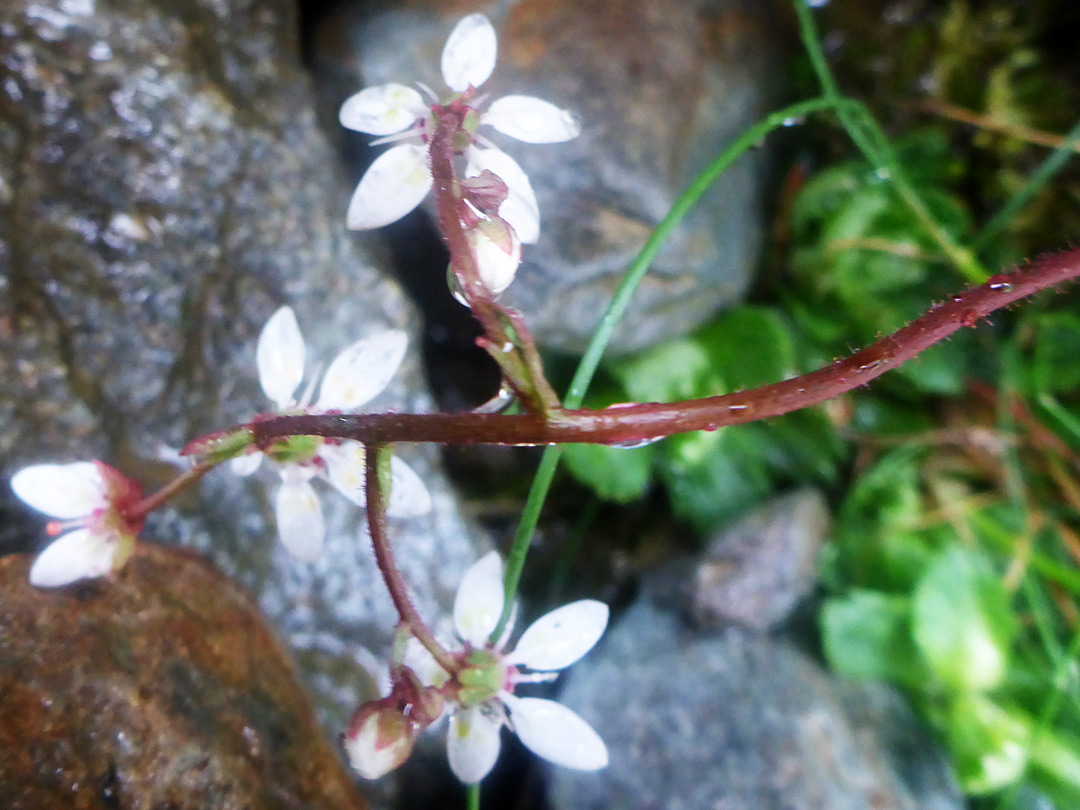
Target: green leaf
{"points": [[1056, 365], [989, 743], [963, 622], [613, 473], [677, 369], [876, 544], [750, 346], [867, 636], [713, 477]]}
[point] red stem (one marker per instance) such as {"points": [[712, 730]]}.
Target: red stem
{"points": [[384, 557], [635, 423], [140, 509], [518, 362]]}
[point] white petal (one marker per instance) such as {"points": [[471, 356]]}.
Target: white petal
{"points": [[559, 638], [382, 110], [300, 519], [61, 490], [246, 464], [497, 267], [519, 208], [479, 600], [345, 469], [472, 744], [81, 554], [469, 54], [280, 357], [362, 370], [408, 495], [532, 120], [552, 731], [391, 187]]}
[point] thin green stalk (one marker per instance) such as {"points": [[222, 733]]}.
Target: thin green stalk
{"points": [[617, 308], [1054, 163], [1064, 575], [472, 797], [873, 143]]}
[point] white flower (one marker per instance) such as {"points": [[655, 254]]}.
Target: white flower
{"points": [[400, 178], [89, 497], [486, 699], [356, 375]]}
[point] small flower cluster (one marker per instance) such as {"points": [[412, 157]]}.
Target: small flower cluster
{"points": [[499, 210], [99, 505], [96, 528], [480, 697], [98, 512], [359, 373]]}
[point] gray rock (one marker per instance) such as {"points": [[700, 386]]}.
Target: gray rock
{"points": [[754, 574], [738, 722], [661, 89], [163, 188]]}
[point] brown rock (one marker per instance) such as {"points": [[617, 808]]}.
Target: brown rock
{"points": [[161, 687]]}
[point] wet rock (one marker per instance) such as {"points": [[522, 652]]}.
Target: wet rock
{"points": [[161, 687], [661, 89], [164, 189], [753, 574], [703, 721]]}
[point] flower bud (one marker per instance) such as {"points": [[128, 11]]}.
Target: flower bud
{"points": [[498, 253], [380, 738]]}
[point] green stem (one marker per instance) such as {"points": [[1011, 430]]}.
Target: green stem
{"points": [[575, 395], [1057, 757], [1054, 163], [472, 797], [872, 142]]}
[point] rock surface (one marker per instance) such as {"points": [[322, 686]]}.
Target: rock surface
{"points": [[754, 573], [737, 722], [661, 89], [161, 687], [163, 189]]}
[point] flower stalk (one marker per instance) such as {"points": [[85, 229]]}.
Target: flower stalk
{"points": [[512, 349], [377, 461], [631, 423]]}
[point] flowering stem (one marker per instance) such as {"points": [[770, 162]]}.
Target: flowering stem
{"points": [[376, 457], [144, 507], [871, 141], [516, 355], [575, 395], [632, 423]]}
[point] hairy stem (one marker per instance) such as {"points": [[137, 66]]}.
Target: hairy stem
{"points": [[144, 507], [545, 473], [384, 557], [633, 423], [522, 370]]}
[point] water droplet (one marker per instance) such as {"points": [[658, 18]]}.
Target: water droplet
{"points": [[1001, 285], [883, 174], [498, 403], [507, 347], [738, 407], [637, 444], [794, 121]]}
